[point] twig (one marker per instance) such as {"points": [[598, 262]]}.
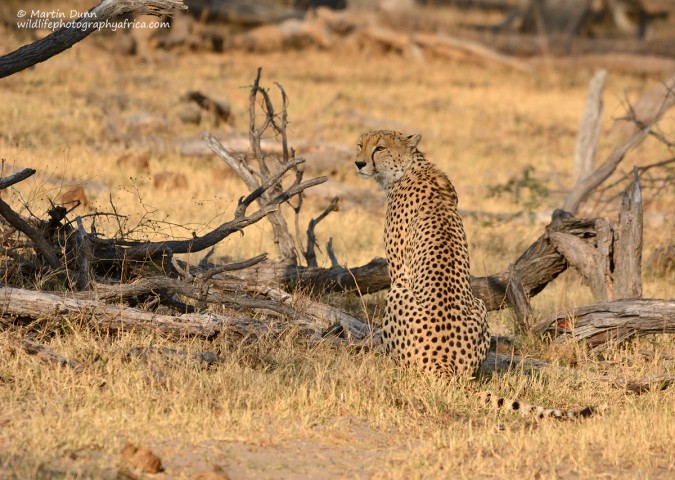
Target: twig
{"points": [[231, 267], [310, 256], [23, 226], [331, 254]]}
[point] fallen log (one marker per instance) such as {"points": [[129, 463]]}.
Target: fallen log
{"points": [[540, 264], [609, 323], [28, 306]]}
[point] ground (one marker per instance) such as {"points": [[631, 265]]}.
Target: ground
{"points": [[276, 408]]}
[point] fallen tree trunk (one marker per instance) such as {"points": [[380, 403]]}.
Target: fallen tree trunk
{"points": [[611, 322], [540, 264], [28, 306]]}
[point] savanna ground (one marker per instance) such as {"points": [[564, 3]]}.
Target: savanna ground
{"points": [[276, 408]]}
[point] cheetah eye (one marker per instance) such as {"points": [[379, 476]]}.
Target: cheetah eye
{"points": [[379, 149]]}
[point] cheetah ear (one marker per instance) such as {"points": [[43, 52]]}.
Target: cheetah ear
{"points": [[414, 140]]}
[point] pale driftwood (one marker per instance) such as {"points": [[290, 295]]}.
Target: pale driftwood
{"points": [[282, 238], [46, 354], [588, 261], [611, 322], [65, 38], [628, 247], [475, 49], [29, 306], [355, 328], [589, 130]]}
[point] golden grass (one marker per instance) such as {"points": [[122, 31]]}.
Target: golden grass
{"points": [[277, 408]]}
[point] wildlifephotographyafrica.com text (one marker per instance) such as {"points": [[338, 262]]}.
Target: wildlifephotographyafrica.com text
{"points": [[56, 19]]}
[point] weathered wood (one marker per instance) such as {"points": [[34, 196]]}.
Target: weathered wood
{"points": [[611, 322], [587, 260], [29, 306], [479, 51], [282, 238], [520, 304], [14, 219], [65, 38], [589, 130], [540, 264], [628, 246], [310, 254]]}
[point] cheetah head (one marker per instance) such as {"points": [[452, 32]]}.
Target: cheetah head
{"points": [[385, 155]]}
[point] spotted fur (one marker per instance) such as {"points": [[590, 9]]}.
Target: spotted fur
{"points": [[432, 319]]}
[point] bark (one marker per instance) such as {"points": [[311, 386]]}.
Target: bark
{"points": [[589, 130], [611, 322], [14, 219], [29, 306], [540, 264], [65, 38], [628, 247]]}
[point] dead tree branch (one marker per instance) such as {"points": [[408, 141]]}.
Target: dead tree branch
{"points": [[585, 186], [14, 219], [611, 322], [589, 130], [628, 247], [65, 38], [310, 255], [540, 264]]}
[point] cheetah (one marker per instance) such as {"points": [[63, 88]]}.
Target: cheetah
{"points": [[432, 320]]}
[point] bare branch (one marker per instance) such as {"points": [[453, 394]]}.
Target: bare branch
{"points": [[589, 130], [65, 38], [310, 255], [23, 226], [583, 188], [16, 178], [611, 322]]}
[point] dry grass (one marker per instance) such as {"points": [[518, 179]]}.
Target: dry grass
{"points": [[276, 407]]}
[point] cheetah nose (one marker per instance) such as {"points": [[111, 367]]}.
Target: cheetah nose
{"points": [[360, 165]]}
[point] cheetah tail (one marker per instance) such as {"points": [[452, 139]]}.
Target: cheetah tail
{"points": [[502, 403]]}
